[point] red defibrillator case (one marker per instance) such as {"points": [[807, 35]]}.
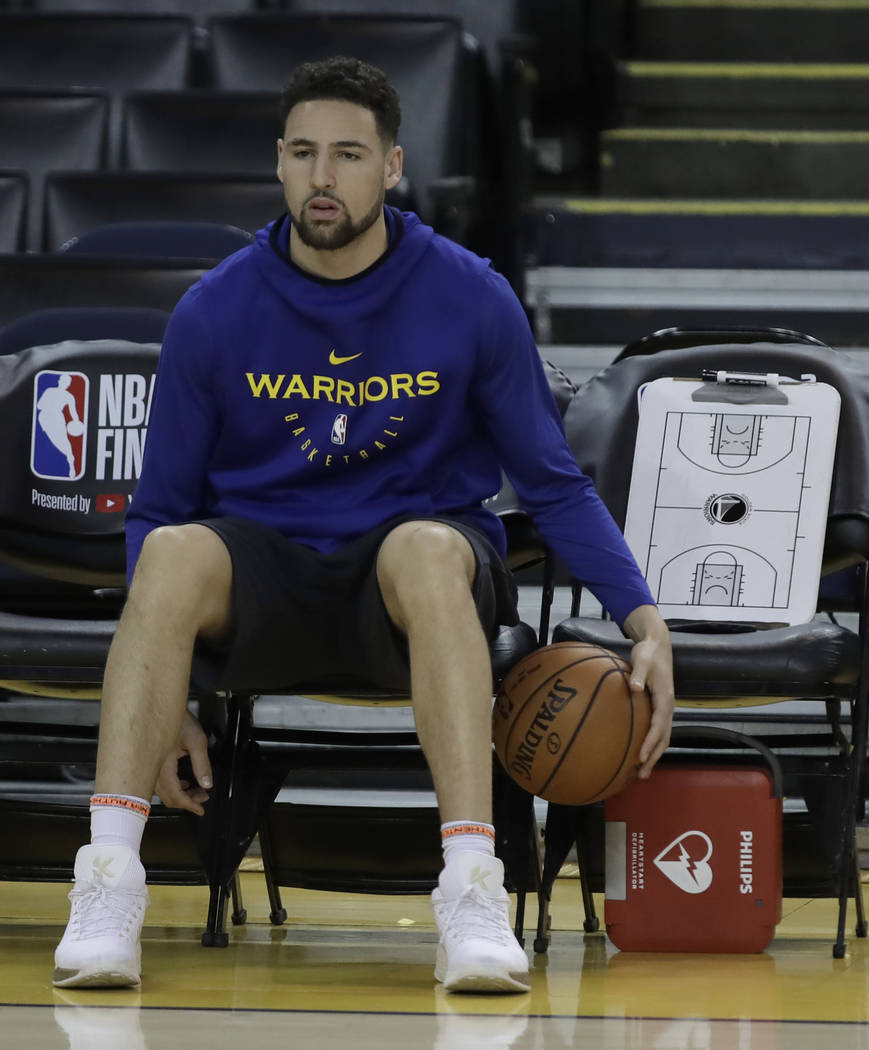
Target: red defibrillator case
{"points": [[694, 859]]}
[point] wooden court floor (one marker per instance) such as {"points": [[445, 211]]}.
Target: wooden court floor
{"points": [[356, 971]]}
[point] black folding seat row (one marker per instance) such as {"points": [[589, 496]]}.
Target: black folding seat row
{"points": [[451, 136], [14, 190], [45, 131], [114, 54]]}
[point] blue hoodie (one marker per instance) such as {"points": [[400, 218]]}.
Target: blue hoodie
{"points": [[324, 408]]}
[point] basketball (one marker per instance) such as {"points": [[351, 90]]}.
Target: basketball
{"points": [[75, 428], [566, 725]]}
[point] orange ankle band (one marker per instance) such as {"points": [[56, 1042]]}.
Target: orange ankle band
{"points": [[142, 808], [467, 829]]}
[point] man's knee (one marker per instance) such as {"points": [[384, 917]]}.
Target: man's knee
{"points": [[424, 560], [185, 567]]}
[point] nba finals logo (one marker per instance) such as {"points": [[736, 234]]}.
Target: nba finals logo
{"points": [[58, 440]]}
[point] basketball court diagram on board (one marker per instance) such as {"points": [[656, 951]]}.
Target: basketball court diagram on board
{"points": [[729, 494]]}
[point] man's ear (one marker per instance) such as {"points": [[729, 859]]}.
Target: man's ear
{"points": [[394, 166], [280, 155]]}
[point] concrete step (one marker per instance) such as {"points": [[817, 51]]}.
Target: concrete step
{"points": [[616, 305], [753, 30], [734, 163], [680, 233], [808, 96]]}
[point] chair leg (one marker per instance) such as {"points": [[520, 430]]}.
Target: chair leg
{"points": [[861, 927], [277, 912], [849, 874], [239, 912], [238, 718], [215, 935], [547, 595], [591, 923], [562, 824]]}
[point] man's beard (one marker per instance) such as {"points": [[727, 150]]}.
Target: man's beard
{"points": [[332, 236]]}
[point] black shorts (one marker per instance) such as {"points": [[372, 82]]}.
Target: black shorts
{"points": [[302, 618]]}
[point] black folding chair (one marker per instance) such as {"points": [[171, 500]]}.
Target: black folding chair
{"points": [[78, 202], [61, 514], [718, 665], [31, 282]]}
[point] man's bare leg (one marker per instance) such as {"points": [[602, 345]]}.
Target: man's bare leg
{"points": [[181, 590], [426, 571]]}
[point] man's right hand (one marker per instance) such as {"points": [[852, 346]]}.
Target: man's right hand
{"points": [[181, 794]]}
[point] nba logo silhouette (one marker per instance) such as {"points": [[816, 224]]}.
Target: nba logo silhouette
{"points": [[339, 429], [59, 436]]}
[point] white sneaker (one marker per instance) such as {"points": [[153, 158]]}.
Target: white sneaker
{"points": [[478, 951], [100, 947]]}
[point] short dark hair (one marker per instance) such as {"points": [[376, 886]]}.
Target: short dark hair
{"points": [[350, 80]]}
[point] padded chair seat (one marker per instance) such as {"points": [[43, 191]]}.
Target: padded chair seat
{"points": [[802, 659], [510, 646], [49, 646]]}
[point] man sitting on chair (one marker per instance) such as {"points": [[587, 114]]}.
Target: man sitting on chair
{"points": [[333, 406]]}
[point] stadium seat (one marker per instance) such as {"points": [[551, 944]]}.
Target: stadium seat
{"points": [[42, 131], [753, 665], [443, 132], [136, 324], [157, 239], [14, 195], [70, 540], [30, 282], [76, 203], [211, 131], [114, 53], [198, 10], [218, 132], [493, 25]]}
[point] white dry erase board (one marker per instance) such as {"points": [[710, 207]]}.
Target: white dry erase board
{"points": [[729, 494]]}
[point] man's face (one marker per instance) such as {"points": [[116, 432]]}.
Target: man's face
{"points": [[335, 171]]}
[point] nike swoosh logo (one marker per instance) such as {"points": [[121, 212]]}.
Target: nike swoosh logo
{"points": [[334, 359]]}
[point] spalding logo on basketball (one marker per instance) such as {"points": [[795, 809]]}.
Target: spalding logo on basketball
{"points": [[566, 725]]}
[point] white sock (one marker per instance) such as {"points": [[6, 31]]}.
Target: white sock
{"points": [[118, 820], [460, 836]]}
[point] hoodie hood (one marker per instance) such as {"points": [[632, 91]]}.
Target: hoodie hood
{"points": [[357, 297]]}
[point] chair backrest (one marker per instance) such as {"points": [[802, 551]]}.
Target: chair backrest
{"points": [[112, 52], [490, 23], [601, 424], [14, 198], [677, 338], [31, 282], [137, 324], [78, 202], [199, 10], [42, 132], [440, 130], [214, 131], [161, 239], [73, 419]]}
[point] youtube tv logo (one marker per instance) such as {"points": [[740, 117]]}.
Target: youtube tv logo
{"points": [[111, 502]]}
